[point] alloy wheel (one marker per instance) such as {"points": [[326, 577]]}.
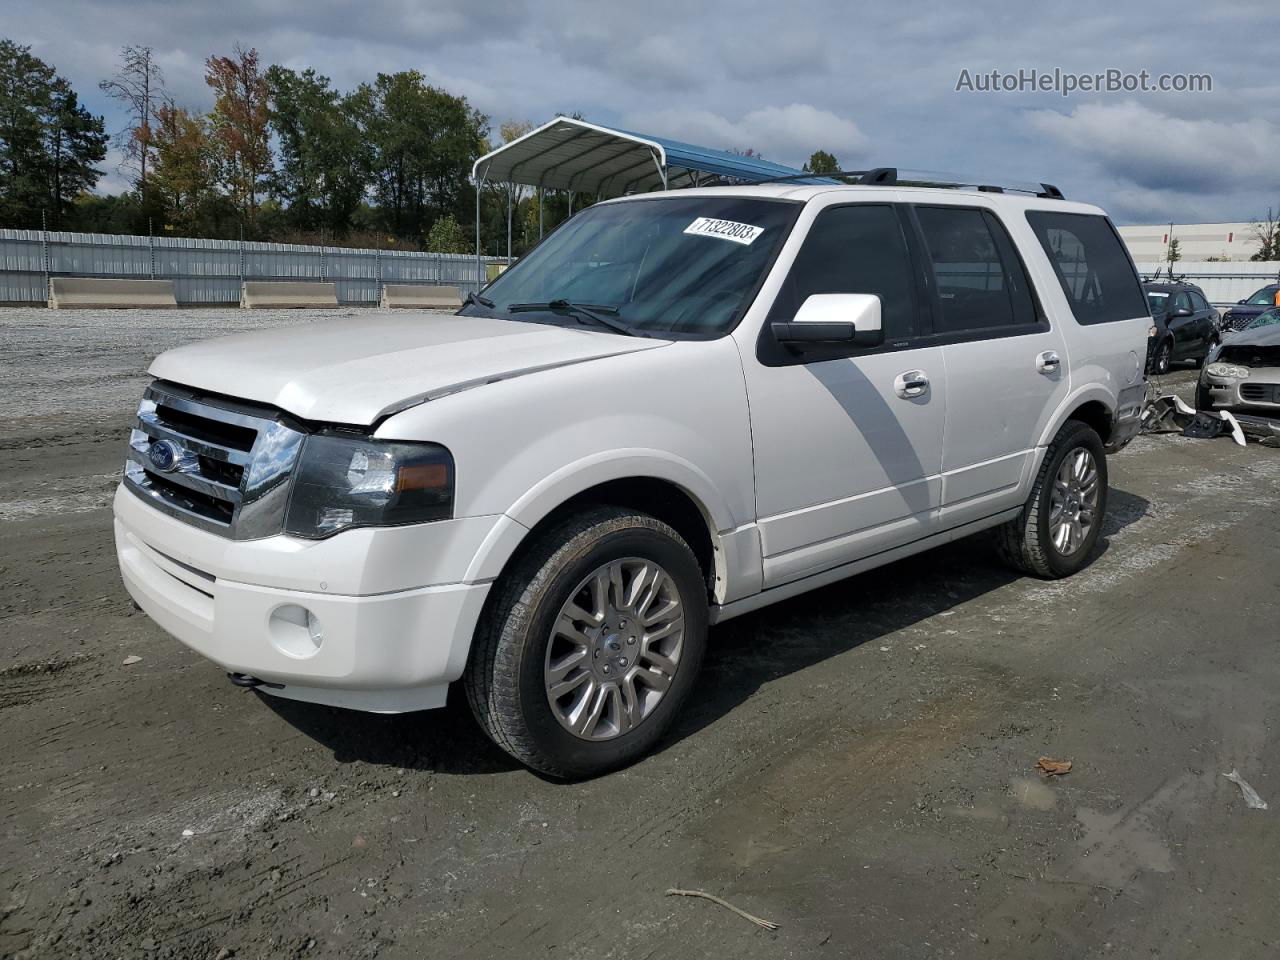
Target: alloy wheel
{"points": [[614, 648], [1073, 506]]}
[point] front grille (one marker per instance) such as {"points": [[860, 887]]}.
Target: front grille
{"points": [[220, 465], [1260, 392]]}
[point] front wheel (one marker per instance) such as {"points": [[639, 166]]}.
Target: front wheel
{"points": [[590, 644], [1058, 527], [1213, 345]]}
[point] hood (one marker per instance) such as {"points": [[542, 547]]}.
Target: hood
{"points": [[357, 370], [1268, 336]]}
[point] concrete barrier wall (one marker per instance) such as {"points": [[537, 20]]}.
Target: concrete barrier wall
{"points": [[96, 293], [422, 296], [278, 294]]}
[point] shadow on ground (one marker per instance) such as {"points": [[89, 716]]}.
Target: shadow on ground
{"points": [[743, 654]]}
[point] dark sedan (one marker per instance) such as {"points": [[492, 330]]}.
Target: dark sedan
{"points": [[1185, 325], [1238, 317]]}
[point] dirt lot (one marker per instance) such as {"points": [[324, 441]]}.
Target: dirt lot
{"points": [[859, 766]]}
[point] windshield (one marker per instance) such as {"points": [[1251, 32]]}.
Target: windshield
{"points": [[1267, 318], [665, 265], [1267, 295], [1157, 301]]}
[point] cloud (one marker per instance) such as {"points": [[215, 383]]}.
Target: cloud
{"points": [[1161, 152], [783, 134]]}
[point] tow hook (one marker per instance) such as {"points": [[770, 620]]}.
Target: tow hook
{"points": [[252, 683]]}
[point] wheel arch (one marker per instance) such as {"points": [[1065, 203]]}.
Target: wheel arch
{"points": [[680, 497]]}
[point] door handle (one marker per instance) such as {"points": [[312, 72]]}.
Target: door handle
{"points": [[1048, 362], [911, 384]]}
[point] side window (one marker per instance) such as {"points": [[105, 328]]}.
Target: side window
{"points": [[855, 249], [1198, 299], [1182, 301], [1096, 274], [980, 281]]}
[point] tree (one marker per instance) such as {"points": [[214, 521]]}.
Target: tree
{"points": [[822, 162], [1174, 253], [239, 127], [76, 143], [139, 86], [447, 236], [323, 159], [1266, 234], [423, 141], [184, 179], [49, 144]]}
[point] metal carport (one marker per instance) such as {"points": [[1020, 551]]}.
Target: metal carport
{"points": [[581, 157]]}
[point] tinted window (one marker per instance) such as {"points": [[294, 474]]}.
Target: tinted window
{"points": [[1157, 300], [1267, 295], [980, 282], [1199, 301], [1182, 302], [855, 249], [1096, 274], [669, 264]]}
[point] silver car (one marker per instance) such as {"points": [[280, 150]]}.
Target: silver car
{"points": [[1243, 375]]}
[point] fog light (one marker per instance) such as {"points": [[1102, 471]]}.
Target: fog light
{"points": [[295, 631]]}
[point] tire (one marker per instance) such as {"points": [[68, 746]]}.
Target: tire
{"points": [[516, 650], [1200, 361], [1027, 541], [1162, 359]]}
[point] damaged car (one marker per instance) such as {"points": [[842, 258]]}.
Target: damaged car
{"points": [[1243, 375]]}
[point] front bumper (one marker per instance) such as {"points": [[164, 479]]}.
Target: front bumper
{"points": [[1258, 393], [390, 645]]}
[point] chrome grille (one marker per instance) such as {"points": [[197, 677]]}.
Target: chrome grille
{"points": [[220, 465]]}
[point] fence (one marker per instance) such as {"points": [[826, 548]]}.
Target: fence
{"points": [[211, 271], [1222, 282]]}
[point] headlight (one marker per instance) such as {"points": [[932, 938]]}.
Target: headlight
{"points": [[343, 482], [1227, 371]]}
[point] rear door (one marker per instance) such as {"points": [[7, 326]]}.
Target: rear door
{"points": [[848, 457], [1007, 370]]}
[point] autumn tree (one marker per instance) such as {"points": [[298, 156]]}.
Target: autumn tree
{"points": [[139, 87], [239, 127], [185, 175], [822, 162]]}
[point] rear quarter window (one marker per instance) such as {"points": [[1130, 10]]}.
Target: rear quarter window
{"points": [[1091, 264]]}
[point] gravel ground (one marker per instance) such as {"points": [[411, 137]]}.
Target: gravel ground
{"points": [[858, 766]]}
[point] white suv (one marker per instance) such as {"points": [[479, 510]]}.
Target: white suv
{"points": [[676, 409]]}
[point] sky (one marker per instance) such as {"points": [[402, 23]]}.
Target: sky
{"points": [[873, 83]]}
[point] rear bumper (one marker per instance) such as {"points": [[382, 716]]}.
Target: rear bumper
{"points": [[385, 651], [1128, 419]]}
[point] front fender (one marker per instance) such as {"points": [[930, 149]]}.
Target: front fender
{"points": [[581, 475]]}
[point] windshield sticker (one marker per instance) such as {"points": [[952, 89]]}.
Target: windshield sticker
{"points": [[743, 233]]}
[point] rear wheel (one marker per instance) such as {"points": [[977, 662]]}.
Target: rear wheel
{"points": [[1058, 527], [1163, 358], [591, 644]]}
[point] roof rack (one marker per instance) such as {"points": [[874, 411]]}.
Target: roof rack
{"points": [[888, 177]]}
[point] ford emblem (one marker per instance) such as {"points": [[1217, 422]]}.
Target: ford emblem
{"points": [[164, 455]]}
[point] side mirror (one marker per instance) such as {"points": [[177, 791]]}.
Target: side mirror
{"points": [[832, 318], [1239, 301], [1182, 312]]}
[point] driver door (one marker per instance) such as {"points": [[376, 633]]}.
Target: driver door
{"points": [[847, 440]]}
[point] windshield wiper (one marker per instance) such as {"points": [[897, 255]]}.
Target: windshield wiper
{"points": [[600, 314], [473, 297]]}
